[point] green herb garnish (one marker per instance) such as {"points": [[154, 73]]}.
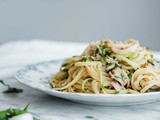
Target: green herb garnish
{"points": [[64, 64], [90, 80], [64, 77], [9, 113], [62, 68], [102, 59], [101, 49], [109, 53], [130, 75], [65, 70], [116, 66], [116, 92], [13, 90], [107, 87], [85, 89], [117, 77], [10, 89], [123, 77], [131, 54], [102, 86], [85, 58]]}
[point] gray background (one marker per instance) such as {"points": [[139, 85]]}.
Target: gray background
{"points": [[81, 20]]}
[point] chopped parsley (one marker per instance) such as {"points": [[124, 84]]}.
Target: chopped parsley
{"points": [[131, 54], [130, 75], [85, 58], [90, 80], [123, 77], [101, 49], [103, 52], [62, 68], [109, 53], [116, 92], [114, 57], [64, 77], [85, 89], [102, 86], [11, 89], [107, 87], [117, 77], [64, 64], [157, 61]]}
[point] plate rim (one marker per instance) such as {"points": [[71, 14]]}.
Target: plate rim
{"points": [[17, 74]]}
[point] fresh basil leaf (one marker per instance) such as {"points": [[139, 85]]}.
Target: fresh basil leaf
{"points": [[17, 112], [26, 108], [100, 49], [3, 115], [9, 113]]}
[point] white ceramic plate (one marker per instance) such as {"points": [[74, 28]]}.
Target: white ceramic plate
{"points": [[38, 76]]}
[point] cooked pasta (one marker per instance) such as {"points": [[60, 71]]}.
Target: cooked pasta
{"points": [[109, 67]]}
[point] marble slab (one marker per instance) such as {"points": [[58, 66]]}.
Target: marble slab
{"points": [[52, 108]]}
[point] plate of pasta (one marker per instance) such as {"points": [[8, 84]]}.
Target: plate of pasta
{"points": [[106, 73]]}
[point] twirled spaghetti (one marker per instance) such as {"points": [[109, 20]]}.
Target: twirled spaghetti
{"points": [[108, 67]]}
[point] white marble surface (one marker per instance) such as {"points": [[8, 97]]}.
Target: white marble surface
{"points": [[17, 54]]}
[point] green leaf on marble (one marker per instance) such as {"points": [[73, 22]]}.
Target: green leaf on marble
{"points": [[9, 113], [10, 89]]}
